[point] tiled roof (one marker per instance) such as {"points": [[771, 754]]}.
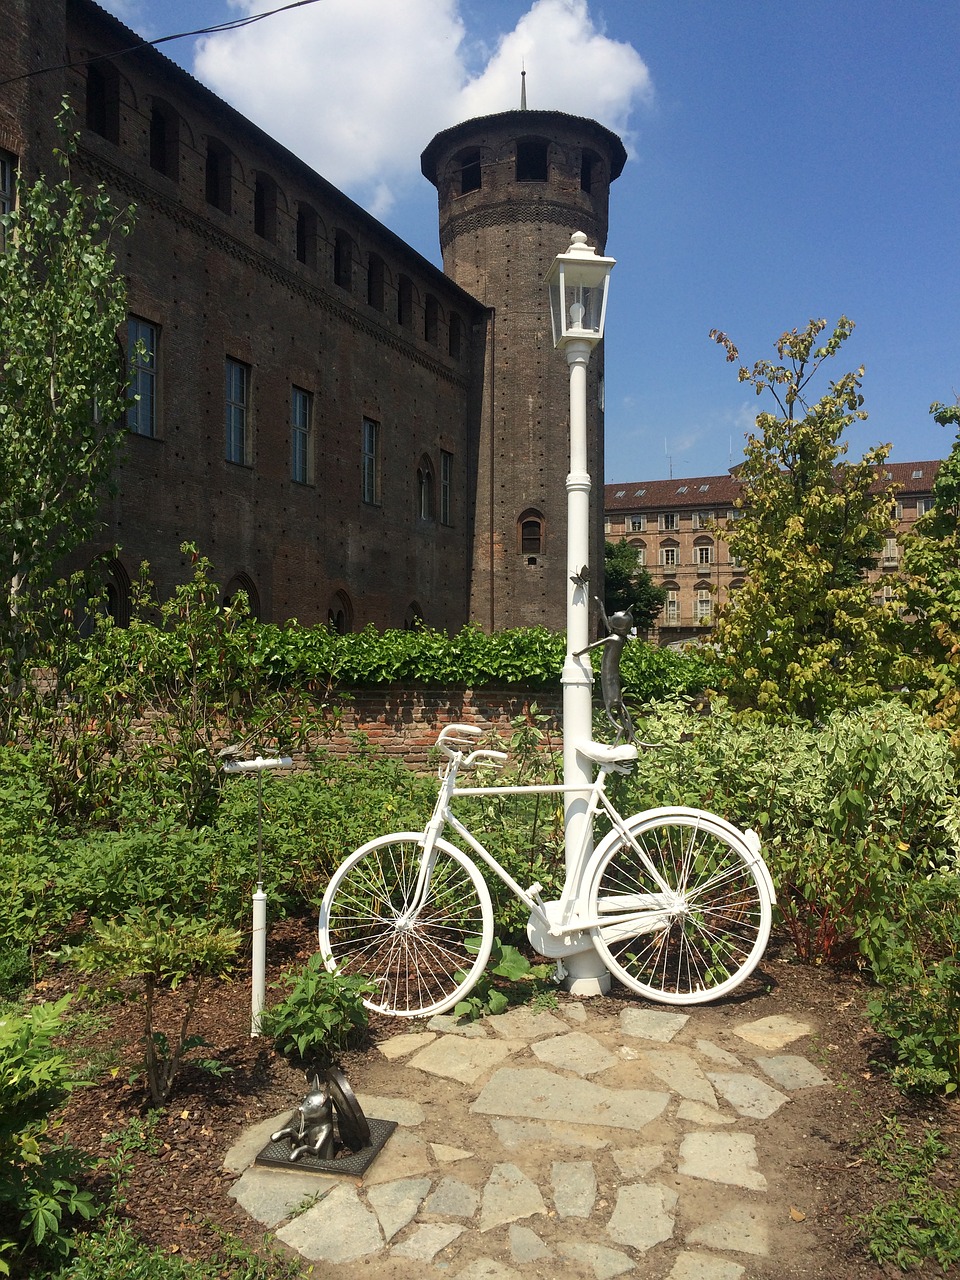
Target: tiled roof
{"points": [[702, 492]]}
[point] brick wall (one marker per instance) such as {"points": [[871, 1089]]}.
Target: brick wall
{"points": [[403, 721]]}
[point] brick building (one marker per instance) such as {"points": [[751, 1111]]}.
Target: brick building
{"points": [[677, 526], [352, 435]]}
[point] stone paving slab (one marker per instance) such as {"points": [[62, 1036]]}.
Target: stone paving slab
{"points": [[656, 1170]]}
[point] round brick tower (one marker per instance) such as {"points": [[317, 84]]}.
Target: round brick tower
{"points": [[513, 187]]}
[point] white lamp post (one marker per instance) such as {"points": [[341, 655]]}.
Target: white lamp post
{"points": [[578, 281]]}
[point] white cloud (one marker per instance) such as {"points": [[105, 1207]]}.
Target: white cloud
{"points": [[359, 87]]}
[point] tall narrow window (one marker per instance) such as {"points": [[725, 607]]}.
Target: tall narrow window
{"points": [[588, 165], [703, 606], [471, 175], [446, 486], [340, 614], [219, 174], [671, 609], [530, 534], [237, 402], [425, 489], [371, 462], [142, 342], [375, 281], [164, 140], [103, 101], [301, 436], [265, 207], [8, 191], [531, 160], [306, 235], [455, 337]]}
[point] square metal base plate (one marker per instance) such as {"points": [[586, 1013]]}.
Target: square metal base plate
{"points": [[276, 1155]]}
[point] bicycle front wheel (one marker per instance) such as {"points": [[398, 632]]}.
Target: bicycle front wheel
{"points": [[421, 956], [684, 905]]}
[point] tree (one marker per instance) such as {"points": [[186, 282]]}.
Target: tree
{"points": [[931, 568], [805, 633], [62, 376], [627, 585]]}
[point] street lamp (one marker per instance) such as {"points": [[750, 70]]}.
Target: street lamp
{"points": [[578, 282]]}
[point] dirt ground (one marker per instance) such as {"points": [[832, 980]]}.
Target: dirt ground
{"points": [[176, 1196]]}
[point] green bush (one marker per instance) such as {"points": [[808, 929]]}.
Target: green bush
{"points": [[321, 1015], [917, 965], [113, 1252], [152, 949], [40, 1194]]}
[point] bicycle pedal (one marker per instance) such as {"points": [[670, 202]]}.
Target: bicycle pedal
{"points": [[534, 891]]}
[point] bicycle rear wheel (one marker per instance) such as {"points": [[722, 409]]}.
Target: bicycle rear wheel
{"points": [[698, 934], [420, 959]]}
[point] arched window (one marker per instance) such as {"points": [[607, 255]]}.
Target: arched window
{"points": [[413, 618], [530, 535], [532, 160], [165, 139], [471, 175], [340, 614], [242, 584], [425, 489], [117, 593]]}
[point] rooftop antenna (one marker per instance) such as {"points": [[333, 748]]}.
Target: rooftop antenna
{"points": [[668, 457], [523, 87]]}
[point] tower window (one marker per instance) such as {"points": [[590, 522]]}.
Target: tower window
{"points": [[455, 336], [530, 534], [340, 614], [531, 160], [470, 172], [588, 171]]}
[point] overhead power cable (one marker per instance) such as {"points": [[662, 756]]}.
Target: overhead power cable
{"points": [[234, 25]]}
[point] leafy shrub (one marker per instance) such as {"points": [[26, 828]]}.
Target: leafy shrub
{"points": [[39, 1191], [114, 1253], [321, 1015], [509, 978], [155, 949], [917, 964]]}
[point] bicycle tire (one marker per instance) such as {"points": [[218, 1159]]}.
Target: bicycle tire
{"points": [[419, 967], [702, 938]]}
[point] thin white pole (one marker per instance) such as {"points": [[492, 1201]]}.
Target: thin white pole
{"points": [[586, 974]]}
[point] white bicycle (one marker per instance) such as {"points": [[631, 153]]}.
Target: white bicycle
{"points": [[677, 902]]}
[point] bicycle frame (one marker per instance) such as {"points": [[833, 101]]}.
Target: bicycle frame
{"points": [[556, 928]]}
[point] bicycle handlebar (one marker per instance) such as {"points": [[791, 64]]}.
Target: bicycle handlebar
{"points": [[457, 739]]}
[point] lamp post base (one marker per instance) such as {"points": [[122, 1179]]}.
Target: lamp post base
{"points": [[585, 974]]}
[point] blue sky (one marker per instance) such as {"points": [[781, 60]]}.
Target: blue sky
{"points": [[786, 162]]}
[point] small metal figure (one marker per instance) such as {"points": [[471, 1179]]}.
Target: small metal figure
{"points": [[314, 1133], [619, 626]]}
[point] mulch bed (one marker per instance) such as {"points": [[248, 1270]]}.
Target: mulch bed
{"points": [[176, 1192]]}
